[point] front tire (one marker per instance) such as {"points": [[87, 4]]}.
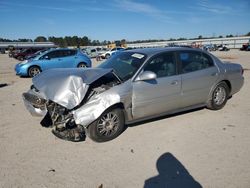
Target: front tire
{"points": [[107, 56], [81, 65], [219, 97], [107, 127], [20, 58], [33, 71]]}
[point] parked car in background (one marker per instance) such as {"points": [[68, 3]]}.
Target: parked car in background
{"points": [[35, 54], [12, 52], [54, 58], [131, 86], [223, 47], [2, 50], [210, 47], [26, 52], [107, 54], [245, 47], [94, 52]]}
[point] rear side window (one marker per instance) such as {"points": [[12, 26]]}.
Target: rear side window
{"points": [[68, 53], [194, 61]]}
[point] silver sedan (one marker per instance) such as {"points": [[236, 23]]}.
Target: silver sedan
{"points": [[131, 86]]}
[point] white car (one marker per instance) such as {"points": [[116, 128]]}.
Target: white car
{"points": [[94, 52], [107, 54]]}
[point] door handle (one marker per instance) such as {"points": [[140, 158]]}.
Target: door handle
{"points": [[175, 82]]}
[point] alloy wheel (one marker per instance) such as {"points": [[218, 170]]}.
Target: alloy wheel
{"points": [[108, 124], [219, 95]]}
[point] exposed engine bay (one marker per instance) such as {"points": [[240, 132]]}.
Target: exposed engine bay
{"points": [[60, 118]]}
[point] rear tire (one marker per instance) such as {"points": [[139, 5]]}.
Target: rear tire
{"points": [[20, 58], [219, 97], [107, 127], [33, 71], [107, 56]]}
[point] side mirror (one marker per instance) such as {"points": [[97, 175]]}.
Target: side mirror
{"points": [[146, 75]]}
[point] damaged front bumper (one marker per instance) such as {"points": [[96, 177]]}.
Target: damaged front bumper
{"points": [[54, 116]]}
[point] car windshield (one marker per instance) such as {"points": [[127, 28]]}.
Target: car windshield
{"points": [[38, 56], [125, 64]]}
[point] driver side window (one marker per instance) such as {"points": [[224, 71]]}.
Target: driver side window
{"points": [[162, 65]]}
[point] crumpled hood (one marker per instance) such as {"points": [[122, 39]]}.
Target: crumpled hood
{"points": [[67, 86]]}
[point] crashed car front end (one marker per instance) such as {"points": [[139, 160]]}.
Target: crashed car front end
{"points": [[70, 99], [35, 104]]}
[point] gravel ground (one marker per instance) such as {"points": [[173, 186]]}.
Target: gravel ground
{"points": [[201, 148]]}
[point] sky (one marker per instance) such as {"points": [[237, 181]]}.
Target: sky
{"points": [[123, 19]]}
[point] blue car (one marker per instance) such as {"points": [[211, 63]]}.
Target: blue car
{"points": [[54, 58]]}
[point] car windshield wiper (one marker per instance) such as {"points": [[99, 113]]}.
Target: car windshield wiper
{"points": [[116, 75]]}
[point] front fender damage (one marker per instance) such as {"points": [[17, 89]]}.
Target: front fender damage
{"points": [[69, 104], [95, 107]]}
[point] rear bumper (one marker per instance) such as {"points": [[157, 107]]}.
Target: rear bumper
{"points": [[237, 84]]}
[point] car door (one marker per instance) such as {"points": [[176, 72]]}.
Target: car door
{"points": [[198, 74], [51, 60], [157, 96], [68, 58]]}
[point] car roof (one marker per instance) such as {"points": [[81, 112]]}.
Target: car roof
{"points": [[52, 49], [153, 51]]}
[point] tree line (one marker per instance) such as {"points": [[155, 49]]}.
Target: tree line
{"points": [[85, 41]]}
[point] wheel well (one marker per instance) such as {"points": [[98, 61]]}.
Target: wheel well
{"points": [[117, 105], [82, 63], [228, 84]]}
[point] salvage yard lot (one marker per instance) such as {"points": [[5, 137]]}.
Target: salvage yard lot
{"points": [[199, 148]]}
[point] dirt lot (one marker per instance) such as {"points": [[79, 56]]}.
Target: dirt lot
{"points": [[200, 148]]}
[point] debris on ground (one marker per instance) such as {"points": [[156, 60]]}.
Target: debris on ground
{"points": [[52, 170], [3, 85]]}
